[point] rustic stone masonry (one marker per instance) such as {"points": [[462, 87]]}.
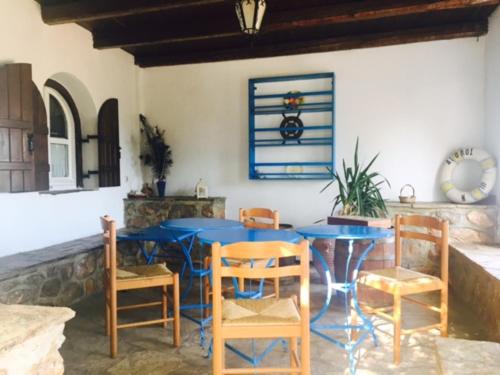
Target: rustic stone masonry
{"points": [[58, 275], [468, 224], [475, 279], [141, 213], [30, 338]]}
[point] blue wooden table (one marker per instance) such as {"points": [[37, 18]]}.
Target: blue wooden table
{"points": [[346, 287], [184, 232], [157, 235], [227, 237]]}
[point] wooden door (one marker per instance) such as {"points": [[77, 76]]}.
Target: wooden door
{"points": [[16, 128], [109, 144]]}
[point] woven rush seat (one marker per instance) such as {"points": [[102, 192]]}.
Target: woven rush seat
{"points": [[131, 272], [260, 311], [407, 281]]}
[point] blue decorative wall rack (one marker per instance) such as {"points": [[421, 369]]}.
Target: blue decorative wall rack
{"points": [[281, 153]]}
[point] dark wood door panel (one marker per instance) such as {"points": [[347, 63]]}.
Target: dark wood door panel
{"points": [[16, 125]]}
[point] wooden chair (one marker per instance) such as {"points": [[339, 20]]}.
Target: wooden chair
{"points": [[261, 318], [261, 218], [134, 277], [401, 282]]}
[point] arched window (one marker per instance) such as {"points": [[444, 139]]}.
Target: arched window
{"points": [[62, 156]]}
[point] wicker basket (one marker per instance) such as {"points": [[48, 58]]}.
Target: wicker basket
{"points": [[407, 198]]}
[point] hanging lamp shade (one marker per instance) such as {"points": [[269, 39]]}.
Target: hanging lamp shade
{"points": [[250, 14]]}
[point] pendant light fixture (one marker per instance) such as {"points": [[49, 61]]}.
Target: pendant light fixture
{"points": [[250, 14]]}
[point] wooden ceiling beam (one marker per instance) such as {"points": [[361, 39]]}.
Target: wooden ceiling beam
{"points": [[91, 10], [426, 34], [288, 20]]}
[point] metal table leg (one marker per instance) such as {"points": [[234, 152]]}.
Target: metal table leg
{"points": [[347, 288]]}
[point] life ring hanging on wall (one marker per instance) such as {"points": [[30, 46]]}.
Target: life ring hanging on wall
{"points": [[488, 166], [291, 128]]}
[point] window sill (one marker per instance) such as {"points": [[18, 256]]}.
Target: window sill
{"points": [[68, 191]]}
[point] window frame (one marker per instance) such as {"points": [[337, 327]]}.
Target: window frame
{"points": [[70, 182]]}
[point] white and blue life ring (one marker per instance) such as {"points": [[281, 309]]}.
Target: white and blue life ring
{"points": [[488, 166]]}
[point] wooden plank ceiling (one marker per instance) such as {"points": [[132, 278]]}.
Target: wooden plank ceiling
{"points": [[173, 32]]}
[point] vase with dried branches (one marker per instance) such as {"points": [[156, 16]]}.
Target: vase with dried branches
{"points": [[157, 153]]}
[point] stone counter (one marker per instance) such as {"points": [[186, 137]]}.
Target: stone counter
{"points": [[145, 212], [469, 223], [30, 338]]}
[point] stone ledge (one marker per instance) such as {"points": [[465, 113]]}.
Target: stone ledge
{"points": [[13, 265], [475, 278], [440, 205], [58, 275]]}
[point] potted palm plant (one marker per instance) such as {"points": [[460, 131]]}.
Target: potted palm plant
{"points": [[158, 154], [358, 202]]}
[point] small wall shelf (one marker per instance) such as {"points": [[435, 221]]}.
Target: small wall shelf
{"points": [[272, 154]]}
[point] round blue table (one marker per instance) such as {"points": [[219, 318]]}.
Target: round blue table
{"points": [[226, 237], [184, 232], [157, 235], [196, 225], [347, 287]]}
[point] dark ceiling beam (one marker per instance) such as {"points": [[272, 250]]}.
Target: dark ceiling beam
{"points": [[441, 32], [286, 21], [91, 10]]}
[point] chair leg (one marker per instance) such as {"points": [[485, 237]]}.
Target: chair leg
{"points": [[241, 284], [218, 355], [114, 323], [292, 347], [444, 312], [305, 354], [206, 287], [397, 328], [164, 304], [177, 314], [277, 282], [108, 311]]}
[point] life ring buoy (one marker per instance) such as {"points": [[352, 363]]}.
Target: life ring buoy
{"points": [[488, 166]]}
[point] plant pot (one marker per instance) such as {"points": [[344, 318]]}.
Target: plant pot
{"points": [[161, 185]]}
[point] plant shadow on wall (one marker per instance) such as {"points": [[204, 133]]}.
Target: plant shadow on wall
{"points": [[359, 189], [157, 153]]}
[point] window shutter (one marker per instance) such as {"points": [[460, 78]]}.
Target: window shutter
{"points": [[109, 145], [40, 142], [16, 128]]}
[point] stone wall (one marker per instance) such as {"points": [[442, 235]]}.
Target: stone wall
{"points": [[141, 213], [475, 279], [468, 224], [58, 275]]}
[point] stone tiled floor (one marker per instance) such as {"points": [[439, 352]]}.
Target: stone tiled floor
{"points": [[150, 351]]}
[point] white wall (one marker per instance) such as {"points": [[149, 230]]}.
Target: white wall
{"points": [[31, 220], [413, 103], [493, 88], [493, 94]]}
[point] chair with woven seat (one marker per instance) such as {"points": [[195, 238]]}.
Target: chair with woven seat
{"points": [[269, 318], [135, 277], [261, 218], [401, 282]]}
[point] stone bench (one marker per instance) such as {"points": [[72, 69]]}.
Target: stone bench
{"points": [[475, 278], [30, 338], [58, 275]]}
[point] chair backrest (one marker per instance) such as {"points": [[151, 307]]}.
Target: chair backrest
{"points": [[425, 228], [261, 218], [247, 251], [109, 240]]}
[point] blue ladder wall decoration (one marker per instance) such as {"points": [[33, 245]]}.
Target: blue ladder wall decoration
{"points": [[285, 146]]}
